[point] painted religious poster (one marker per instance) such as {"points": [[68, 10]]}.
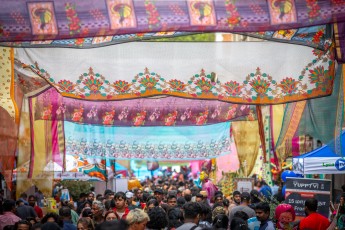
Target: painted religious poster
{"points": [[282, 11], [42, 18], [298, 190], [202, 13], [244, 184], [121, 14]]}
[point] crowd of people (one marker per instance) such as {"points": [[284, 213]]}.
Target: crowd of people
{"points": [[167, 205]]}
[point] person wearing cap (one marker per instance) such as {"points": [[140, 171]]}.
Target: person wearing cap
{"points": [[120, 205], [129, 199], [245, 201], [158, 193]]}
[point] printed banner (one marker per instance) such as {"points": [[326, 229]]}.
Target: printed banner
{"points": [[155, 143]]}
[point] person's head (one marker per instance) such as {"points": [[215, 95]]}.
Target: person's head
{"points": [[65, 213], [113, 225], [108, 194], [129, 197], [9, 206], [50, 226], [120, 201], [284, 214], [310, 206], [343, 187], [220, 221], [151, 204], [32, 200], [158, 193], [87, 213], [9, 227], [50, 217], [187, 195], [36, 226], [262, 211], [226, 203], [85, 224], [91, 196], [236, 195], [138, 194], [24, 196], [22, 225], [137, 219], [82, 197], [205, 211], [217, 209], [245, 198], [32, 220], [111, 215], [19, 202], [172, 201], [87, 204], [181, 201], [97, 209], [255, 196], [192, 211], [238, 224], [175, 217], [199, 197], [158, 218], [240, 214], [218, 198], [100, 197], [342, 199]]}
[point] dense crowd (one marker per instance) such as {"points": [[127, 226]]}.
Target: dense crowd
{"points": [[168, 204]]}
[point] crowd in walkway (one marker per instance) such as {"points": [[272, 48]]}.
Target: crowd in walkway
{"points": [[168, 204]]}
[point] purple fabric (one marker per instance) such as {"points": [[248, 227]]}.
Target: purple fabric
{"points": [[24, 20], [168, 111]]}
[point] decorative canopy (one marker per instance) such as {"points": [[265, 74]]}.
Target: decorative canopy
{"points": [[250, 72], [165, 111], [24, 20]]}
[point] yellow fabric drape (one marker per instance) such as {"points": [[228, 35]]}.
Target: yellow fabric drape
{"points": [[277, 120], [283, 150], [247, 139], [7, 82]]}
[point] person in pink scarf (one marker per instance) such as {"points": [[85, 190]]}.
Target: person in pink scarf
{"points": [[285, 216]]}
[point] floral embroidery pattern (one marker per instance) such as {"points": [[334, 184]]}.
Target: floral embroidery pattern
{"points": [[139, 119], [47, 113], [168, 111], [313, 9], [121, 87], [316, 78], [108, 118], [67, 86], [170, 119], [177, 85], [288, 85], [260, 85], [201, 119], [72, 16], [232, 88], [321, 78], [77, 115], [234, 18], [153, 14]]}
